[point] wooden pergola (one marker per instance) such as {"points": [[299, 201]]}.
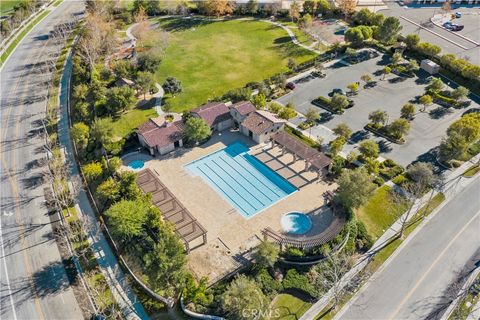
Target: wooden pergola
{"points": [[186, 226], [312, 157]]}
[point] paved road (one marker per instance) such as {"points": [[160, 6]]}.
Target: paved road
{"points": [[33, 281], [422, 17], [413, 284]]}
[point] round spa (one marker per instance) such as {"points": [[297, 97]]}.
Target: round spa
{"points": [[296, 223]]}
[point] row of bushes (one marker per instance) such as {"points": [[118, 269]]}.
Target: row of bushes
{"points": [[384, 132]]}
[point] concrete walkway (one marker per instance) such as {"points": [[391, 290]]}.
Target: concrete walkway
{"points": [[106, 259], [450, 189]]}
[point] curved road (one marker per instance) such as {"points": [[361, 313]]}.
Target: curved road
{"points": [[33, 281]]}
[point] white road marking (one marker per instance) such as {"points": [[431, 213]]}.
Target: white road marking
{"points": [[6, 271]]}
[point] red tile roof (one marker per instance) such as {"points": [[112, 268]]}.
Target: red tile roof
{"points": [[213, 112], [243, 107], [257, 123], [161, 136]]}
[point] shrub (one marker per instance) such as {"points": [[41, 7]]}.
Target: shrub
{"points": [[364, 239], [399, 180], [378, 181], [294, 252], [294, 280], [268, 284]]}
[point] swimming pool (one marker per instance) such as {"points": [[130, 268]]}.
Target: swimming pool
{"points": [[137, 164], [244, 181]]}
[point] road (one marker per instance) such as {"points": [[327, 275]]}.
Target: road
{"points": [[414, 283], [34, 284]]}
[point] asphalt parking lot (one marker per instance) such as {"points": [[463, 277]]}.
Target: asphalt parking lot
{"points": [[417, 20], [427, 129]]}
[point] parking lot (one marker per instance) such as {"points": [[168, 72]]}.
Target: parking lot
{"points": [[416, 19], [427, 129]]}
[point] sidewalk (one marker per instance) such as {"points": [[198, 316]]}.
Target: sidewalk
{"points": [[110, 268], [454, 185]]}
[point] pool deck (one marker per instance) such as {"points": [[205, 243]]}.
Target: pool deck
{"points": [[230, 235]]}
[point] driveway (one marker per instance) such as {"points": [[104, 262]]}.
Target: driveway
{"points": [[427, 129]]}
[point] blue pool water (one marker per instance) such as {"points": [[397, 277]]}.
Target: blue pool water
{"points": [[296, 223], [136, 164], [248, 184]]}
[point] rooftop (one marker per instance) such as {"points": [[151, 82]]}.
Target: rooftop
{"points": [[213, 112], [244, 107], [158, 133], [260, 121]]}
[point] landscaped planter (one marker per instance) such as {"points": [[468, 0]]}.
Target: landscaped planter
{"points": [[325, 105], [383, 134]]}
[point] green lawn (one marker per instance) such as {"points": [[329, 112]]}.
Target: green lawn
{"points": [[470, 172], [129, 121], [379, 213], [287, 307], [212, 57], [6, 6]]}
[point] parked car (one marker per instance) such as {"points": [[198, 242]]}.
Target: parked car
{"points": [[335, 91], [291, 85], [318, 74], [458, 15], [452, 26]]}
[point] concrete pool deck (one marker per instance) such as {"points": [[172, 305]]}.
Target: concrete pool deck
{"points": [[230, 235]]}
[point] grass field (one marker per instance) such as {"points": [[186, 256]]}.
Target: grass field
{"points": [[379, 212], [129, 121], [212, 57], [6, 6], [470, 172], [287, 307]]}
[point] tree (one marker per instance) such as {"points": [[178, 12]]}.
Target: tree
{"points": [[355, 36], [287, 113], [363, 17], [353, 87], [347, 7], [126, 218], [145, 83], [108, 192], [129, 189], [102, 132], [459, 93], [259, 101], [369, 149], [378, 117], [312, 115], [366, 78], [336, 145], [80, 92], [243, 299], [471, 71], [422, 174], [275, 107], [396, 58], [354, 187], [165, 263], [196, 293], [428, 49], [372, 166], [80, 133], [291, 64], [343, 130], [252, 6], [309, 7], [385, 71], [217, 7], [172, 86], [412, 66], [113, 165], [399, 128], [305, 22], [412, 40], [389, 30], [323, 7], [367, 32], [436, 84], [468, 126], [92, 170], [408, 111], [453, 146], [294, 11], [425, 100], [148, 62], [339, 102], [266, 254], [120, 99], [197, 130]]}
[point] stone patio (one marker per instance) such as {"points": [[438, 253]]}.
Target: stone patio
{"points": [[230, 236]]}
